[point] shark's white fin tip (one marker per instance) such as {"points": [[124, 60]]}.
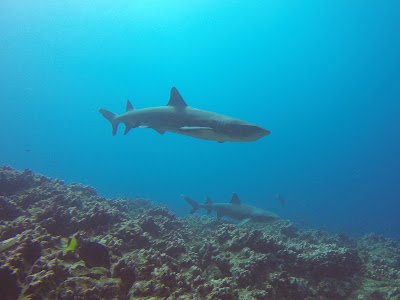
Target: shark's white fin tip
{"points": [[194, 128]]}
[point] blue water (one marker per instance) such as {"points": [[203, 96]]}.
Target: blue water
{"points": [[322, 76]]}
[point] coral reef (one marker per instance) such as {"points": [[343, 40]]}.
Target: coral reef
{"points": [[134, 249]]}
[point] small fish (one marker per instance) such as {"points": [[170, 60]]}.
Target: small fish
{"points": [[27, 150], [280, 199], [72, 245]]}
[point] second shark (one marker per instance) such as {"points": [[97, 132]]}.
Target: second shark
{"points": [[234, 209]]}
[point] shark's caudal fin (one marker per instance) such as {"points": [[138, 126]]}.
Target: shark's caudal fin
{"points": [[194, 204], [110, 116]]}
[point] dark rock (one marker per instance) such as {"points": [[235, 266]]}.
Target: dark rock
{"points": [[94, 255], [9, 286], [8, 210]]}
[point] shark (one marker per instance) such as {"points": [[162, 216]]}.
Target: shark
{"points": [[180, 118], [234, 209]]}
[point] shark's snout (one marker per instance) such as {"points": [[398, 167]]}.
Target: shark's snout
{"points": [[259, 132]]}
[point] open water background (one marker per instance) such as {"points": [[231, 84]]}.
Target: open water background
{"points": [[322, 76]]}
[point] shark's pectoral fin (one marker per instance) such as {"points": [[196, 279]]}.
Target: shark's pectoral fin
{"points": [[244, 221], [159, 131], [194, 128]]}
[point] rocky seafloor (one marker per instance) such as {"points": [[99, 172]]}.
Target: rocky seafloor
{"points": [[135, 249]]}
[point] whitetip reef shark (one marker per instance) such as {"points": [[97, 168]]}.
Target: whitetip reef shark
{"points": [[177, 117], [234, 209]]}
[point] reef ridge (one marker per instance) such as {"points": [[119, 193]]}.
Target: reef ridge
{"points": [[135, 249]]}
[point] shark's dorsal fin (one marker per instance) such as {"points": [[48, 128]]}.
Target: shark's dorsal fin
{"points": [[128, 106], [175, 99], [235, 199]]}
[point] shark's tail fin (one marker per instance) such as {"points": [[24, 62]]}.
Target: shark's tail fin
{"points": [[110, 116], [194, 204]]}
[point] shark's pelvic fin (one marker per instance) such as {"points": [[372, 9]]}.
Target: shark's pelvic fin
{"points": [[110, 116], [127, 128], [235, 199], [244, 222], [208, 202], [175, 99], [159, 131], [128, 106]]}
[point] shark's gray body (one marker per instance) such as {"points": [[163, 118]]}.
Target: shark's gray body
{"points": [[235, 210], [177, 117]]}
